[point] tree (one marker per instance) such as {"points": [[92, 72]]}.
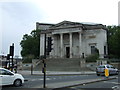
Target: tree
{"points": [[30, 44], [113, 41]]}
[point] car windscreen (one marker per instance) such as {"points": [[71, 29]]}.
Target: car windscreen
{"points": [[109, 66], [101, 66], [5, 72]]}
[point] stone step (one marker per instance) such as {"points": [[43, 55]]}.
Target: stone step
{"points": [[62, 65]]}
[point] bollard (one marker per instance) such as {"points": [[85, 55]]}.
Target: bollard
{"points": [[106, 73], [31, 69]]}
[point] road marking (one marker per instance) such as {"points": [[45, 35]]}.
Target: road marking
{"points": [[42, 79], [116, 87], [111, 82], [83, 84], [39, 79], [116, 77], [33, 80], [54, 78]]}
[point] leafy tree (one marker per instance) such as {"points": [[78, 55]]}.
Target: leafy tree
{"points": [[113, 41], [30, 44]]}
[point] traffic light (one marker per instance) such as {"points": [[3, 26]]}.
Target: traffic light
{"points": [[8, 56], [49, 45], [11, 50]]}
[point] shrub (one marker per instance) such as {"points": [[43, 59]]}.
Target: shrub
{"points": [[92, 58]]}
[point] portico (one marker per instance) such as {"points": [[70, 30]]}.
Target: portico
{"points": [[66, 48]]}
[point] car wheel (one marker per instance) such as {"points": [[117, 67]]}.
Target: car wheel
{"points": [[17, 82], [97, 74], [117, 73]]}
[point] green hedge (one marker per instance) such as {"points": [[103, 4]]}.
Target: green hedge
{"points": [[92, 58]]}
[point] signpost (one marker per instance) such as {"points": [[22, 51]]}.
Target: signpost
{"points": [[44, 64], [44, 71]]}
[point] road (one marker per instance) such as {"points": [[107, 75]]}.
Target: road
{"points": [[35, 81], [108, 85]]}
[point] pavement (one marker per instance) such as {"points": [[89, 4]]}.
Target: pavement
{"points": [[27, 72], [67, 84]]}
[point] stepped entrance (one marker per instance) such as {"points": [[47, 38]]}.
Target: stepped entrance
{"points": [[63, 64]]}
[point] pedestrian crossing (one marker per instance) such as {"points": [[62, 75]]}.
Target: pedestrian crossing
{"points": [[40, 79], [50, 78]]}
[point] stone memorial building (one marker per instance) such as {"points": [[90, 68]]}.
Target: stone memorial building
{"points": [[73, 39]]}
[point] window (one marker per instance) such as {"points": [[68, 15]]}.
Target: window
{"points": [[4, 72], [101, 66], [93, 50], [105, 51], [0, 72], [110, 66]]}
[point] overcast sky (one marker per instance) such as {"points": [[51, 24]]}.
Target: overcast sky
{"points": [[19, 17]]}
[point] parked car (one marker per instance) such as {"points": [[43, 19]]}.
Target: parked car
{"points": [[9, 78], [100, 70]]}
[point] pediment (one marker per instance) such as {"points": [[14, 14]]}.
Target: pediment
{"points": [[65, 24]]}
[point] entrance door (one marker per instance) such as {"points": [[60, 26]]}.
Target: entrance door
{"points": [[67, 52]]}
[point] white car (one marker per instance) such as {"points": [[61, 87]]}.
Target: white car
{"points": [[9, 78], [100, 70]]}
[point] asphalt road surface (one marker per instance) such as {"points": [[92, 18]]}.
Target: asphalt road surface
{"points": [[110, 85], [37, 81]]}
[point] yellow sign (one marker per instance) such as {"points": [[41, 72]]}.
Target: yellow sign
{"points": [[106, 72]]}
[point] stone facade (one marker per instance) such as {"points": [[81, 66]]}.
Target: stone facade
{"points": [[73, 39]]}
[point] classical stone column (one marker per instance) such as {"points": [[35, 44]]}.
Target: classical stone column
{"points": [[70, 34], [61, 44], [42, 44], [80, 44], [53, 46]]}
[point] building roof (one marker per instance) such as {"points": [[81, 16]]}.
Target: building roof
{"points": [[68, 24], [43, 23]]}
